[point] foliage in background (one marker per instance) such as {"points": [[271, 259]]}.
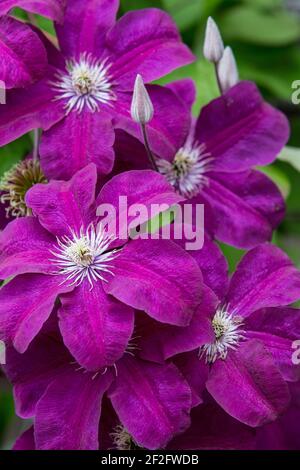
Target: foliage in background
{"points": [[265, 37]]}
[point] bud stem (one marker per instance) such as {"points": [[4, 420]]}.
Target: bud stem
{"points": [[218, 78], [36, 144], [147, 146]]}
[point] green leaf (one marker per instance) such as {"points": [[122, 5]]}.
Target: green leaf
{"points": [[127, 5], [13, 152], [260, 27], [186, 14], [291, 155], [233, 255]]}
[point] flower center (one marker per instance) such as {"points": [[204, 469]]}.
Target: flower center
{"points": [[187, 172], [85, 255], [122, 439], [228, 334], [87, 83], [16, 182]]}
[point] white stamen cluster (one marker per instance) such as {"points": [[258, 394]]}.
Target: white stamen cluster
{"points": [[227, 335], [187, 172], [86, 84], [84, 255]]}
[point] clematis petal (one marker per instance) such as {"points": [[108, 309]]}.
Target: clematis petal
{"points": [[212, 262], [85, 26], [25, 248], [25, 304], [61, 206], [213, 429], [185, 90], [25, 441], [52, 9], [145, 42], [160, 341], [29, 109], [195, 373], [23, 58], [152, 401], [144, 278], [265, 277], [96, 328], [31, 372], [257, 191], [166, 133], [278, 328], [262, 392], [127, 192], [76, 141], [68, 414], [240, 130], [236, 222]]}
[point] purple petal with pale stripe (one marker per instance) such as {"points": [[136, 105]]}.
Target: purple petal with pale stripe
{"points": [[61, 206], [265, 277], [95, 327], [23, 58], [152, 401], [144, 278], [25, 248]]}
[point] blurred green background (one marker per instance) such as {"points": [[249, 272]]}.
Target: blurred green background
{"points": [[265, 37]]}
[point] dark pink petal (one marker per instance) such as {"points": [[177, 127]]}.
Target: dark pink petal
{"points": [[185, 90], [29, 109], [95, 327], [213, 265], [25, 441], [265, 277], [68, 414], [145, 276], [130, 153], [25, 304], [213, 429], [278, 328], [30, 373], [240, 130], [76, 141], [258, 191], [23, 58], [166, 132], [248, 385], [85, 26], [161, 341], [236, 222], [53, 9], [145, 42], [195, 371], [135, 188], [152, 401], [61, 206], [25, 247]]}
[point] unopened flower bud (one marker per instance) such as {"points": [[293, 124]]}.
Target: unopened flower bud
{"points": [[141, 106], [227, 70], [213, 43]]}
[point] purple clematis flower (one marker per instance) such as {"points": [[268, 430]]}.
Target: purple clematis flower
{"points": [[52, 9], [214, 163], [252, 337], [88, 87], [152, 401], [64, 252]]}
